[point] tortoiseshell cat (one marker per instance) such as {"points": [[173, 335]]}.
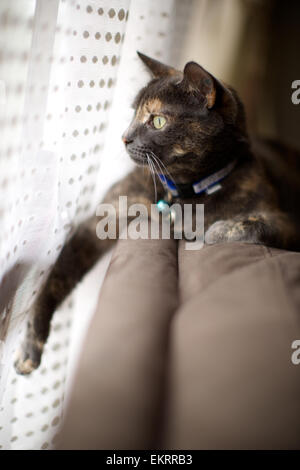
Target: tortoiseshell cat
{"points": [[190, 126]]}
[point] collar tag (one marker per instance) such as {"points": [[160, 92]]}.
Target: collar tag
{"points": [[214, 188], [211, 183], [166, 211]]}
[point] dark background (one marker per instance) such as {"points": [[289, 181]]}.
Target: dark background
{"points": [[253, 45]]}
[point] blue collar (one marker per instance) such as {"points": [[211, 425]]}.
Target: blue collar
{"points": [[210, 184]]}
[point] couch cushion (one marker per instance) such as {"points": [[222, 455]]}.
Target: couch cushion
{"points": [[195, 359]]}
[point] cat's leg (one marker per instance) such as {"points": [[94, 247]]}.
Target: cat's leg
{"points": [[77, 257], [273, 229]]}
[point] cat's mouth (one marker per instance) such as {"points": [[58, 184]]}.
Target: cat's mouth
{"points": [[138, 159], [143, 155], [140, 155]]}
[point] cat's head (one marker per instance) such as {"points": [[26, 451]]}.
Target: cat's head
{"points": [[189, 120]]}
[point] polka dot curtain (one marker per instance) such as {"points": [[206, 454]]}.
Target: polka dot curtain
{"points": [[68, 73]]}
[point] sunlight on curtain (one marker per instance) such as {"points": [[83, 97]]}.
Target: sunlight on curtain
{"points": [[68, 73]]}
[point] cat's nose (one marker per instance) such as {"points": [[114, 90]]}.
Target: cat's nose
{"points": [[127, 137], [126, 140]]}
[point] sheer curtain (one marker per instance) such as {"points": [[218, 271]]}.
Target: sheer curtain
{"points": [[68, 72]]}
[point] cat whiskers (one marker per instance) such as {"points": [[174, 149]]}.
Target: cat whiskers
{"points": [[157, 167], [162, 166], [152, 171]]}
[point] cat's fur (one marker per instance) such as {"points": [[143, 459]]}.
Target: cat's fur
{"points": [[205, 130]]}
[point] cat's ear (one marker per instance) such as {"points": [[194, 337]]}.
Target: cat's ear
{"points": [[197, 79], [157, 69]]}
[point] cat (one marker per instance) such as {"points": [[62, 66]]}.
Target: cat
{"points": [[191, 128]]}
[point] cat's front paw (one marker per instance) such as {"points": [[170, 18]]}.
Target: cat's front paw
{"points": [[215, 233], [28, 357], [226, 231]]}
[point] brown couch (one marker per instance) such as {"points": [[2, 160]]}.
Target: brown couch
{"points": [[190, 350]]}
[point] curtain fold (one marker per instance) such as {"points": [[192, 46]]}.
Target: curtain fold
{"points": [[68, 74]]}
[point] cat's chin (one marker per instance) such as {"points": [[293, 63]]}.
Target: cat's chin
{"points": [[139, 161]]}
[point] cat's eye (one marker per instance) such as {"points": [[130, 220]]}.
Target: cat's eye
{"points": [[159, 122]]}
